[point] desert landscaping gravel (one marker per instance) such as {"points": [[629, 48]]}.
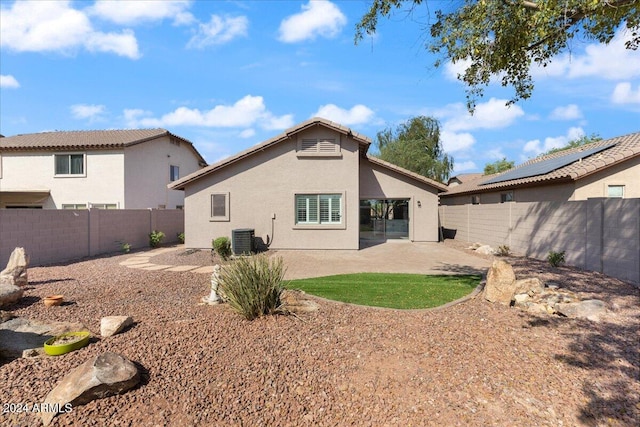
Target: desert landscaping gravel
{"points": [[472, 364]]}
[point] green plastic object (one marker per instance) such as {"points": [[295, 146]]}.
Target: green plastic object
{"points": [[81, 339]]}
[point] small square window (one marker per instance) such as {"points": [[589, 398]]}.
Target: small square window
{"points": [[616, 191], [69, 164], [506, 197], [475, 200]]}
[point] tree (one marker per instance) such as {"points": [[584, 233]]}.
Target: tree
{"points": [[584, 140], [504, 38], [415, 145], [498, 166]]}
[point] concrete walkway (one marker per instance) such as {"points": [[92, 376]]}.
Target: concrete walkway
{"points": [[394, 256]]}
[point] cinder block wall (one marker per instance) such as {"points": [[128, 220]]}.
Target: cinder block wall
{"points": [[51, 236], [597, 234]]}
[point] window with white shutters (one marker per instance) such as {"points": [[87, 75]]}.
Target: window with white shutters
{"points": [[318, 209]]}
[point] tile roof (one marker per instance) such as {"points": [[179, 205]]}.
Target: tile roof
{"points": [[91, 139], [626, 147], [361, 139]]}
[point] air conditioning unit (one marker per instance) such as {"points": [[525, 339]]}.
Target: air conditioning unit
{"points": [[242, 241]]}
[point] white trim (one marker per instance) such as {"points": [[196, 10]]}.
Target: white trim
{"points": [[226, 216], [71, 175]]}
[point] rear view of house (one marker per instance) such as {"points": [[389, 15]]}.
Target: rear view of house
{"points": [[311, 187], [111, 169]]}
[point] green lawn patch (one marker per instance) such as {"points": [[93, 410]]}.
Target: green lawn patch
{"points": [[390, 290]]}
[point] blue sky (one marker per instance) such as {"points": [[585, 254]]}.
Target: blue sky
{"points": [[229, 74]]}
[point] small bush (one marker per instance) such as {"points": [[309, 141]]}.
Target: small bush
{"points": [[253, 285], [222, 247], [503, 250], [124, 247], [155, 238], [181, 237], [556, 259]]}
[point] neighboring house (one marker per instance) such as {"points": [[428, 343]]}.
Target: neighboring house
{"points": [[311, 187], [462, 178], [107, 169], [607, 168]]}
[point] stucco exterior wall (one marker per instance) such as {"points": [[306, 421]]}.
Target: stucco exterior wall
{"points": [[264, 185], [377, 182], [556, 192], [146, 173], [626, 173], [103, 181]]}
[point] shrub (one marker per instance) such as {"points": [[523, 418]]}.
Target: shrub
{"points": [[124, 247], [503, 250], [181, 237], [253, 285], [155, 238], [222, 247], [556, 259]]}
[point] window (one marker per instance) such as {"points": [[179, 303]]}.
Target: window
{"points": [[475, 200], [318, 147], [69, 164], [174, 173], [318, 209], [220, 207], [103, 205], [74, 206], [616, 191], [506, 197]]}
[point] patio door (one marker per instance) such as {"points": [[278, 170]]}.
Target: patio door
{"points": [[382, 219]]}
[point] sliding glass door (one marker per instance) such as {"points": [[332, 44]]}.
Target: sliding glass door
{"points": [[382, 219]]}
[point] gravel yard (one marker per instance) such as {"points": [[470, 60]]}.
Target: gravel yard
{"points": [[472, 364]]}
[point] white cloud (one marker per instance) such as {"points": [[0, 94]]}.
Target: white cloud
{"points": [[624, 94], [453, 69], [452, 141], [84, 111], [244, 113], [247, 133], [219, 30], [271, 122], [318, 18], [612, 62], [358, 114], [8, 82], [56, 27], [536, 147], [463, 166], [134, 12], [568, 112], [493, 114]]}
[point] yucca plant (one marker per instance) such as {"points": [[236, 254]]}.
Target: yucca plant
{"points": [[253, 285]]}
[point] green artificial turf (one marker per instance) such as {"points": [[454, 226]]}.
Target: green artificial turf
{"points": [[390, 290]]}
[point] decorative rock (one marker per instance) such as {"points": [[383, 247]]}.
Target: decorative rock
{"points": [[500, 283], [530, 286], [296, 301], [101, 376], [519, 298], [19, 334], [9, 293], [112, 325], [590, 309], [16, 271], [485, 250]]}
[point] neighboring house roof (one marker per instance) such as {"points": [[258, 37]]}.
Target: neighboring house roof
{"points": [[91, 139], [463, 177], [284, 136], [619, 149], [440, 186]]}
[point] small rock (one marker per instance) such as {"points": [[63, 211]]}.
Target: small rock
{"points": [[33, 352], [296, 301], [9, 293], [112, 325], [530, 286], [485, 250], [590, 309], [519, 298], [101, 376]]}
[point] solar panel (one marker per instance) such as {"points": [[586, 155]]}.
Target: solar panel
{"points": [[545, 166]]}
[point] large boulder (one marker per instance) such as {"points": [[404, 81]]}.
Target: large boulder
{"points": [[16, 271], [500, 285], [590, 309], [101, 376], [9, 293]]}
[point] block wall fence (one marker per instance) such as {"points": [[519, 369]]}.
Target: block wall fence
{"points": [[51, 236], [597, 234]]}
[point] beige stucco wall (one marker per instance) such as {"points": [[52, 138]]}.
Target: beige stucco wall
{"points": [[264, 185], [146, 173], [377, 182], [103, 181], [626, 173]]}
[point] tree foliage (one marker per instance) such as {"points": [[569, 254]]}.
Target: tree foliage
{"points": [[415, 145], [503, 38], [498, 166], [584, 140]]}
